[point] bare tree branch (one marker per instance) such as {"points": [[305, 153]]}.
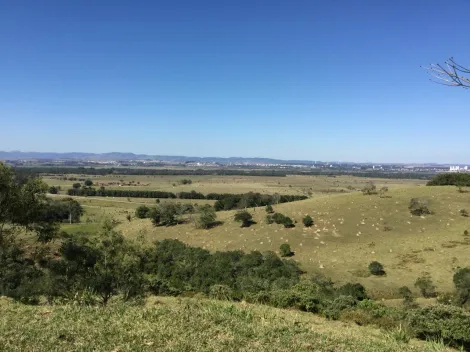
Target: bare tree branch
{"points": [[450, 74]]}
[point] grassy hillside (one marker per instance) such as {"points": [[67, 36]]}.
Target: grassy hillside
{"points": [[170, 324], [350, 231]]}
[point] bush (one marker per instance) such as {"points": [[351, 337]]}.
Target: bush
{"points": [[461, 281], [375, 268], [76, 185], [464, 213], [269, 209], [221, 292], [285, 251], [440, 322], [287, 222], [278, 218], [308, 221], [426, 286], [244, 217], [357, 291], [269, 219], [338, 305], [142, 212], [465, 233], [369, 189], [88, 183], [207, 217], [53, 190], [418, 207], [450, 179], [405, 292], [383, 191]]}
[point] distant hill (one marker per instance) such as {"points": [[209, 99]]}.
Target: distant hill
{"points": [[116, 156]]}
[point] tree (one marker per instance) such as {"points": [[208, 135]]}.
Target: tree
{"points": [[426, 286], [269, 209], [244, 217], [450, 74], [76, 185], [369, 189], [53, 190], [462, 284], [23, 204], [88, 183], [142, 212], [375, 268], [308, 221], [206, 218], [285, 251], [419, 207]]}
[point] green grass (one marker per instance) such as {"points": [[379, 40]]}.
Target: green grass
{"points": [[170, 324]]}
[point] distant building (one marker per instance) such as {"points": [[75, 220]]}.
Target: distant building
{"points": [[458, 169]]}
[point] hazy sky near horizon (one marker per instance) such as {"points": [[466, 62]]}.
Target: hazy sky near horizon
{"points": [[303, 79]]}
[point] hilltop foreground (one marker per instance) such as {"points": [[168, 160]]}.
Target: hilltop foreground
{"points": [[173, 324]]}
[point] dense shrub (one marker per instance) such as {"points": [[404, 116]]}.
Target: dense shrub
{"points": [[375, 268], [285, 251], [426, 286], [269, 219], [221, 292], [461, 281], [269, 209], [357, 291], [338, 305], [448, 323], [287, 222], [308, 221], [53, 190], [142, 212], [88, 183], [464, 213], [419, 207]]}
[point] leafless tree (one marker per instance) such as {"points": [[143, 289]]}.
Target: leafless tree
{"points": [[450, 74]]}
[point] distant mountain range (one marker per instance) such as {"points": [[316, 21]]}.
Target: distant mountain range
{"points": [[116, 156]]}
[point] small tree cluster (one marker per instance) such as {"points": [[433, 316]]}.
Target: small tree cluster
{"points": [[206, 217], [281, 219]]}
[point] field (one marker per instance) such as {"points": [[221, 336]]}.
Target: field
{"points": [[350, 230], [172, 324]]}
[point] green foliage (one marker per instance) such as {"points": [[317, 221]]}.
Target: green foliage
{"points": [[244, 217], [221, 292], [285, 251], [185, 181], [419, 207], [451, 179], [269, 209], [88, 183], [464, 213], [142, 212], [66, 209], [356, 291], [369, 189], [338, 305], [425, 285], [76, 186], [207, 217], [405, 292], [269, 219], [448, 323], [461, 281], [465, 233], [375, 268], [308, 221], [53, 190]]}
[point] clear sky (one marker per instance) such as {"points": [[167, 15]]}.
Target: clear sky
{"points": [[297, 79]]}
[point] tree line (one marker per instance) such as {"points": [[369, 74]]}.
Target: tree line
{"points": [[224, 201], [451, 179], [52, 170]]}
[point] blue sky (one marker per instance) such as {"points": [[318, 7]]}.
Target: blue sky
{"points": [[317, 80]]}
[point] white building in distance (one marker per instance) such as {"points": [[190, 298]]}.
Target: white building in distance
{"points": [[458, 169]]}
